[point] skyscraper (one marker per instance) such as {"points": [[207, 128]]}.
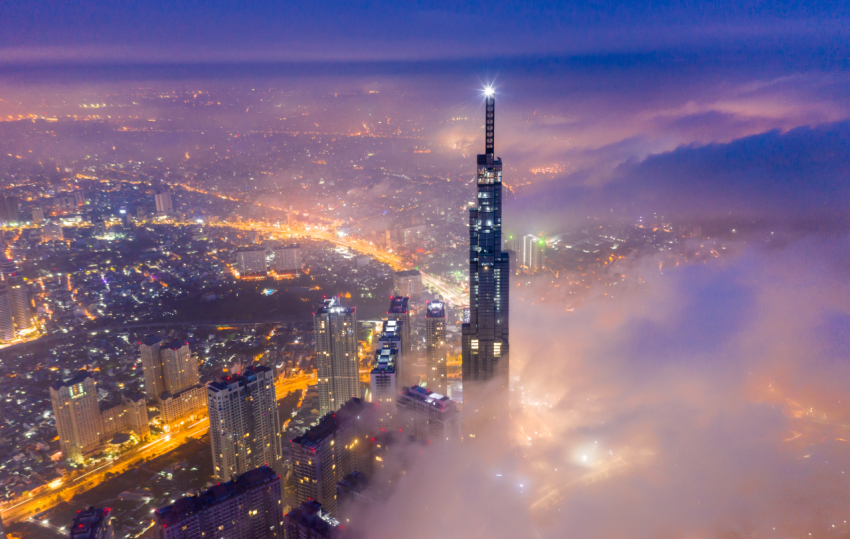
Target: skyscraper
{"points": [[7, 322], [427, 415], [244, 423], [93, 523], [399, 311], [179, 368], [249, 507], [435, 346], [252, 261], [335, 330], [162, 198], [77, 416], [392, 337], [310, 521], [287, 259], [485, 337], [533, 249], [382, 384], [172, 379], [18, 298], [152, 367], [329, 451]]}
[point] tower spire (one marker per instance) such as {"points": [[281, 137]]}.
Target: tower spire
{"points": [[490, 96]]}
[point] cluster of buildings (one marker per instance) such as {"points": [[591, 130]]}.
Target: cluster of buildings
{"points": [[83, 427], [172, 380]]}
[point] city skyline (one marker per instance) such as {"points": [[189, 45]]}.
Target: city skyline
{"points": [[270, 270]]}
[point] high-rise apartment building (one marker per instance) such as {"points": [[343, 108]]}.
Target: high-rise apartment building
{"points": [[162, 198], [9, 209], [172, 379], [38, 215], [77, 416], [93, 523], [435, 346], [485, 336], [18, 297], [179, 367], [251, 261], [392, 337], [310, 521], [382, 384], [407, 283], [255, 237], [399, 311], [287, 259], [249, 507], [427, 415], [152, 367], [244, 423], [335, 330], [329, 451], [7, 322], [533, 253]]}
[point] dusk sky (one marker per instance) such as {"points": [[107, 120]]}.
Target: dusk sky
{"points": [[695, 388]]}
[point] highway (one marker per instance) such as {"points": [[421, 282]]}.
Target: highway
{"points": [[89, 479]]}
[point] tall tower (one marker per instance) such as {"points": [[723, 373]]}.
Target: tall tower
{"points": [[244, 423], [179, 368], [152, 367], [435, 341], [77, 416], [335, 330], [7, 324], [485, 337], [18, 298]]}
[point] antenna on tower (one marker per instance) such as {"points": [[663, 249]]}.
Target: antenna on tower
{"points": [[490, 101]]}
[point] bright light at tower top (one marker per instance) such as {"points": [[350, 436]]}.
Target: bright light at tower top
{"points": [[489, 91]]}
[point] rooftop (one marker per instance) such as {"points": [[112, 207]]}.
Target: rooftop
{"points": [[398, 305], [88, 523], [329, 424], [189, 505], [435, 309], [408, 273]]}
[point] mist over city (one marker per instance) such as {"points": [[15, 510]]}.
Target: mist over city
{"points": [[364, 270]]}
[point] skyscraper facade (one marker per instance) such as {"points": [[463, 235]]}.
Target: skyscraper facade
{"points": [[77, 416], [252, 261], [172, 379], [382, 384], [485, 336], [162, 198], [329, 451], [427, 415], [335, 330], [244, 423], [152, 367], [310, 521], [392, 337], [287, 259], [7, 322], [533, 253], [18, 297], [400, 311], [179, 368], [249, 507], [435, 346]]}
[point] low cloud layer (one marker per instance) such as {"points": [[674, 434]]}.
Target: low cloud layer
{"points": [[707, 401]]}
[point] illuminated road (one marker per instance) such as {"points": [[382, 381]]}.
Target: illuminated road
{"points": [[87, 480], [452, 294]]}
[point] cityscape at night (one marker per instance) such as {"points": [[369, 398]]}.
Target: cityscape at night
{"points": [[373, 269]]}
